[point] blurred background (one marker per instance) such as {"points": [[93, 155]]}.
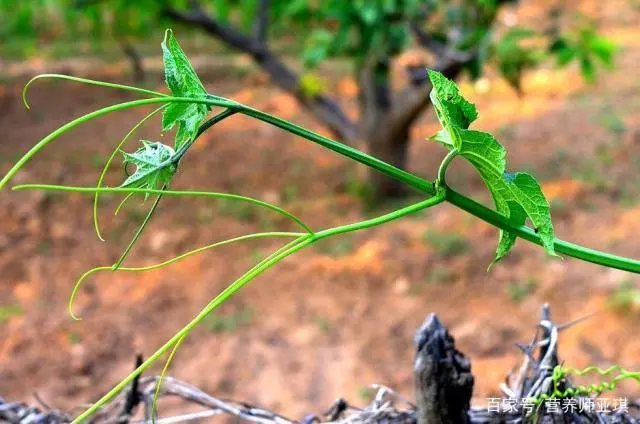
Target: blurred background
{"points": [[555, 81]]}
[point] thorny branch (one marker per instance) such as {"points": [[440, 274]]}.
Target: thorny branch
{"points": [[443, 392]]}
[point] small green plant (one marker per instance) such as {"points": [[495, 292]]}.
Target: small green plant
{"points": [[559, 205], [323, 323], [9, 311], [519, 291], [606, 154], [216, 323], [74, 338], [97, 161], [240, 210], [626, 297], [448, 245], [560, 373], [289, 193], [612, 122], [440, 274], [206, 214], [366, 393], [153, 166], [584, 45], [507, 131], [589, 173], [335, 248], [356, 187], [43, 247]]}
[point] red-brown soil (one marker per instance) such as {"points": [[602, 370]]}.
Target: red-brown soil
{"points": [[330, 320]]}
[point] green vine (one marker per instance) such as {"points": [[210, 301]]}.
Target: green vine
{"points": [[517, 195], [560, 373]]}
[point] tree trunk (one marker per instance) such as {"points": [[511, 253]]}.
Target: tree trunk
{"points": [[393, 149], [383, 139], [443, 379], [134, 59]]}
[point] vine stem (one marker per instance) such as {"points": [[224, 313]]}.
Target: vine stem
{"points": [[298, 244], [205, 126], [444, 165], [89, 82], [526, 233], [480, 211], [97, 113], [177, 193], [175, 159], [83, 277], [156, 394], [560, 372], [108, 164], [140, 229]]}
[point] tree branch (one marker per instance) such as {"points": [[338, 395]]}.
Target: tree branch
{"points": [[375, 95], [262, 22], [410, 103], [414, 99], [426, 40], [442, 374], [324, 108]]}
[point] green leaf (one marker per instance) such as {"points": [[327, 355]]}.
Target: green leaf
{"points": [[513, 57], [367, 11], [604, 49], [222, 9], [586, 47], [518, 216], [517, 196], [248, 9], [588, 69], [317, 48], [174, 112], [514, 194], [183, 81], [453, 110], [180, 75], [529, 194], [154, 167], [443, 138], [188, 116], [564, 51], [310, 85]]}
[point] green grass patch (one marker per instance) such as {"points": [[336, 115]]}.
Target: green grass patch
{"points": [[228, 323], [335, 247], [440, 274], [323, 323], [448, 245], [9, 311], [519, 291], [626, 298]]}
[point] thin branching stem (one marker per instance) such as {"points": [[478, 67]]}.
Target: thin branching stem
{"points": [[274, 258], [87, 274], [298, 244], [444, 165], [438, 190], [89, 82], [108, 164], [205, 126], [480, 211], [140, 229], [156, 394], [420, 184], [176, 193]]}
